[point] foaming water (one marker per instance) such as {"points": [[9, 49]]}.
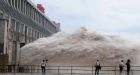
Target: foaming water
{"points": [[81, 48]]}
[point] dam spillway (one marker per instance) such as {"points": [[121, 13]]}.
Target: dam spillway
{"points": [[81, 48]]}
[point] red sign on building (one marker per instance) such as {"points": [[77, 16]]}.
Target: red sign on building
{"points": [[41, 8]]}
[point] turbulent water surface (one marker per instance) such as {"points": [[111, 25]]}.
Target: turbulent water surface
{"points": [[81, 48]]}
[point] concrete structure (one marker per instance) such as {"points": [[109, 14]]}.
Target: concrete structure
{"points": [[21, 23]]}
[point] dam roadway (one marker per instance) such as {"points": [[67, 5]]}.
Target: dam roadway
{"points": [[64, 70]]}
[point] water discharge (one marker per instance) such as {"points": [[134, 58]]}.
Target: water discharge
{"points": [[81, 48]]}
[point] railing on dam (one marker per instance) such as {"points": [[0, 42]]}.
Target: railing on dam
{"points": [[64, 70]]}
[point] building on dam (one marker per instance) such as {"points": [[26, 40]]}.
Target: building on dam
{"points": [[21, 22]]}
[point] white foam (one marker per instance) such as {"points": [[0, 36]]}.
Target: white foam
{"points": [[81, 48]]}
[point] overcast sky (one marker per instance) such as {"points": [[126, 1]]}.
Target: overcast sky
{"points": [[107, 16]]}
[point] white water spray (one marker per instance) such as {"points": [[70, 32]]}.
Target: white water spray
{"points": [[81, 48]]}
